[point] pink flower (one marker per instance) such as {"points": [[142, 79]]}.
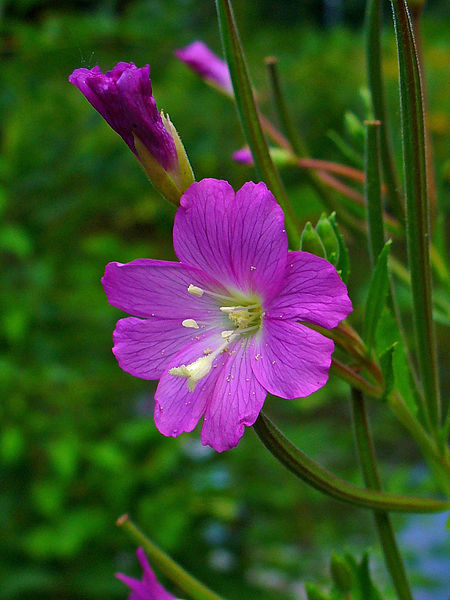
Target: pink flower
{"points": [[205, 63], [221, 328], [147, 589]]}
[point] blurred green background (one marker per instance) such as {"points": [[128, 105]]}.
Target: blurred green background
{"points": [[78, 445]]}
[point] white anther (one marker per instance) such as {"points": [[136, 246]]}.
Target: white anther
{"points": [[195, 291], [190, 323]]}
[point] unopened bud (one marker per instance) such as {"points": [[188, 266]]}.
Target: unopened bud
{"points": [[329, 239], [311, 242], [341, 573]]}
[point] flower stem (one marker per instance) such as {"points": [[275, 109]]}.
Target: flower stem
{"points": [[248, 113], [375, 82], [167, 565], [326, 482], [417, 211], [383, 523]]}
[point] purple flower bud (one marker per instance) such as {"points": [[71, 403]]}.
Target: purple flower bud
{"points": [[243, 156], [124, 98], [206, 64]]}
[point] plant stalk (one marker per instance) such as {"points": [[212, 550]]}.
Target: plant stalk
{"points": [[367, 459]]}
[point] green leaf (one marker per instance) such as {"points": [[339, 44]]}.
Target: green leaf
{"points": [[343, 265], [389, 341], [387, 368], [378, 290]]}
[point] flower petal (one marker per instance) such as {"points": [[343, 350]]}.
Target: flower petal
{"points": [[312, 291], [149, 288], [238, 239], [144, 347], [290, 360], [177, 409], [235, 401]]}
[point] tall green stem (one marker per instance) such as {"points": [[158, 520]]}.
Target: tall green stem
{"points": [[383, 523], [375, 81], [248, 113], [417, 209]]}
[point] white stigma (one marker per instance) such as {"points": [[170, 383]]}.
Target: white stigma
{"points": [[190, 323]]}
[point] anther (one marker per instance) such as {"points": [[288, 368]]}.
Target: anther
{"points": [[195, 291], [190, 323]]}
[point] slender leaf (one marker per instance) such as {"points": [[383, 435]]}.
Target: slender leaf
{"points": [[417, 208], [378, 289]]}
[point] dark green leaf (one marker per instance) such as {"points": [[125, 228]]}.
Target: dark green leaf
{"points": [[378, 290]]}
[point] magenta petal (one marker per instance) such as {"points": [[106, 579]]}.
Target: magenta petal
{"points": [[149, 288], [177, 409], [312, 291], [235, 401], [144, 347], [290, 360], [238, 239]]}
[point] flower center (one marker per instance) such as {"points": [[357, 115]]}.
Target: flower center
{"points": [[245, 318]]}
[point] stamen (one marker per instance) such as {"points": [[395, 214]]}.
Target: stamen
{"points": [[196, 291], [190, 323], [230, 309]]}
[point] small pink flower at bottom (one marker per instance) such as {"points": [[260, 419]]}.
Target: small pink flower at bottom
{"points": [[223, 327], [148, 588]]}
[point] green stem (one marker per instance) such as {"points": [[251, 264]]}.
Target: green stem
{"points": [[417, 231], [323, 480], [248, 113], [375, 82], [167, 565], [383, 523], [372, 190], [347, 374]]}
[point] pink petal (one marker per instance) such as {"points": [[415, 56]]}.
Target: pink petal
{"points": [[149, 288], [235, 401], [312, 291], [238, 239], [144, 347], [289, 360]]}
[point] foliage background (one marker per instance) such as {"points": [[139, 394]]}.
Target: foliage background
{"points": [[78, 446]]}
